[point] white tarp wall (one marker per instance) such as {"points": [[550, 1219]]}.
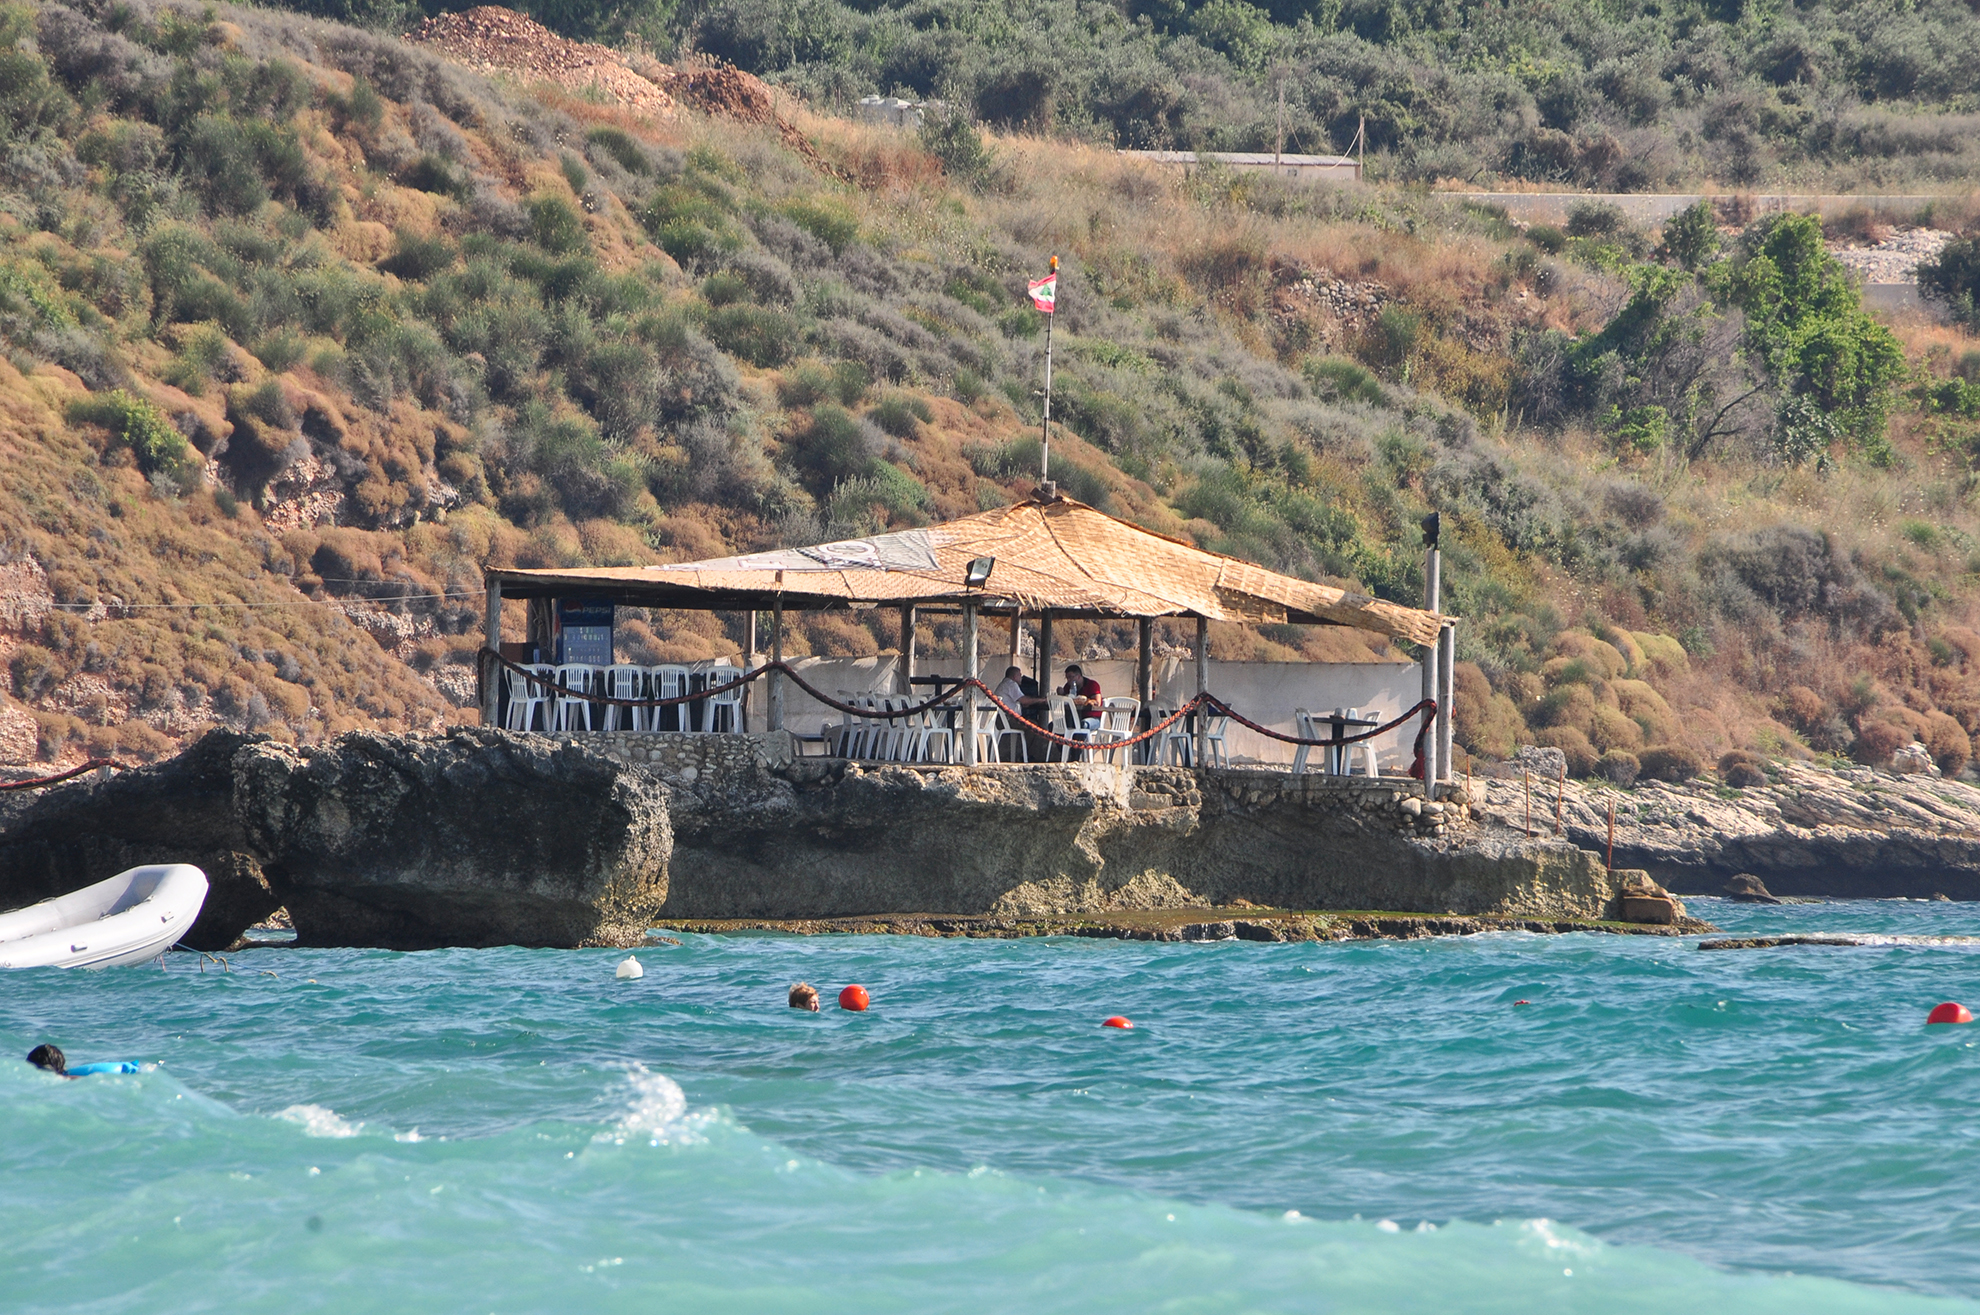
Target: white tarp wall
{"points": [[1266, 692]]}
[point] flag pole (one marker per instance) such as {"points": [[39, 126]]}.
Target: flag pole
{"points": [[1045, 439]]}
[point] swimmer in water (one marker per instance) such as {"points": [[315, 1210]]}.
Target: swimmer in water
{"points": [[804, 996], [51, 1059]]}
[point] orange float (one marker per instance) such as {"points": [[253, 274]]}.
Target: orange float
{"points": [[1125, 1024], [853, 998], [1950, 1012]]}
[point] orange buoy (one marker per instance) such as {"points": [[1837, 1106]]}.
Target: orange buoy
{"points": [[1125, 1024], [853, 998], [1950, 1012], [1518, 1003]]}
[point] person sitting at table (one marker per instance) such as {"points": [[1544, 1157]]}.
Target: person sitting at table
{"points": [[1085, 695], [1010, 690]]}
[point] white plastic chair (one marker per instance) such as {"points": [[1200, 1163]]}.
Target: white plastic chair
{"points": [[1216, 746], [574, 680], [1179, 741], [668, 682], [1365, 750], [1006, 731], [1061, 718], [1116, 724], [923, 732], [623, 682], [534, 696], [990, 727], [1303, 728], [723, 712]]}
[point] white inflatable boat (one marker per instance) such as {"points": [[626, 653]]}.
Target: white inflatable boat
{"points": [[131, 918]]}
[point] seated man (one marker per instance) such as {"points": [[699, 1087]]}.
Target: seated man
{"points": [[1085, 696], [1010, 690]]}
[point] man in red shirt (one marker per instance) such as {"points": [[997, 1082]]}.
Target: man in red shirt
{"points": [[1085, 695]]}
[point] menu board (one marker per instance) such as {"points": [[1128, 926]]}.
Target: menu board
{"points": [[584, 631]]}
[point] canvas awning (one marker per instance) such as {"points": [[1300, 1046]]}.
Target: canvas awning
{"points": [[1053, 557]]}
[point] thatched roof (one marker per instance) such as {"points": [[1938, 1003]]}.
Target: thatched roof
{"points": [[1052, 555]]}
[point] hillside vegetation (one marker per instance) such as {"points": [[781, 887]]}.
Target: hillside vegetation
{"points": [[300, 316], [1635, 95]]}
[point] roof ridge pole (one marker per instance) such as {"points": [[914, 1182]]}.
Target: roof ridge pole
{"points": [[970, 664], [491, 688]]}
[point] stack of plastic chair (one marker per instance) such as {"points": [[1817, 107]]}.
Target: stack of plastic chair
{"points": [[723, 712], [924, 731], [532, 697], [623, 682], [1303, 728], [668, 682], [573, 683]]}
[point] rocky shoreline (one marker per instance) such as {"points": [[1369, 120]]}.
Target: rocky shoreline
{"points": [[1858, 833], [1188, 925], [485, 837]]}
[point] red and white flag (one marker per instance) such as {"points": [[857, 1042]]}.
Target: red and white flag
{"points": [[1045, 291]]}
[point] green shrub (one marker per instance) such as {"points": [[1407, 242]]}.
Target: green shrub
{"points": [[1339, 380], [1670, 762], [763, 337], [828, 221], [1548, 238], [201, 350], [724, 287], [159, 448], [1619, 767], [616, 143], [417, 258], [1742, 769], [554, 225], [1953, 279], [438, 175], [836, 446], [902, 414], [954, 141]]}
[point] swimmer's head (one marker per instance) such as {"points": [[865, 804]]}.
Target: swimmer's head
{"points": [[803, 996], [51, 1058]]}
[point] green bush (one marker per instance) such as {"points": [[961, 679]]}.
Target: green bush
{"points": [[828, 221], [616, 143], [902, 414], [763, 337], [417, 258], [438, 175], [1670, 762], [1953, 279], [1619, 767], [159, 448], [554, 225]]}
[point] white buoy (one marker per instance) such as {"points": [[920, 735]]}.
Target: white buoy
{"points": [[629, 969]]}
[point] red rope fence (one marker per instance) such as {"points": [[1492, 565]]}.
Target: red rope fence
{"points": [[1428, 707], [59, 777]]}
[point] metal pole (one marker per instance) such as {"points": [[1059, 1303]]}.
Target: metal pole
{"points": [[1446, 692], [777, 655], [969, 665], [907, 648], [1045, 433], [749, 660], [1432, 585], [491, 690], [1202, 684]]}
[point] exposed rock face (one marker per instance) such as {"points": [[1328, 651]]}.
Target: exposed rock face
{"points": [[178, 811], [1858, 834], [833, 840], [474, 838]]}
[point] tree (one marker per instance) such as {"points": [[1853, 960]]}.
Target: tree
{"points": [[1953, 277]]}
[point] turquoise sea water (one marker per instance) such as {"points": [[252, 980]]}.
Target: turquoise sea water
{"points": [[1361, 1127]]}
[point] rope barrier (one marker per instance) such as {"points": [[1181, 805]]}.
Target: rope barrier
{"points": [[59, 777], [1426, 706]]}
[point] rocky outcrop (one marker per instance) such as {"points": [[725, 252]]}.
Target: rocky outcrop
{"points": [[484, 837], [473, 838], [1855, 834], [179, 811]]}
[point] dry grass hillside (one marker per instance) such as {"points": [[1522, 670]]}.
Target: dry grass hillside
{"points": [[303, 324]]}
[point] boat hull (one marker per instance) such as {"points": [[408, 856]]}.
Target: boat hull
{"points": [[133, 917]]}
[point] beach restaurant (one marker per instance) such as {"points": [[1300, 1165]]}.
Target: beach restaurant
{"points": [[1021, 568]]}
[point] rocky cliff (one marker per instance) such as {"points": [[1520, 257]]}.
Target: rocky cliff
{"points": [[1857, 834]]}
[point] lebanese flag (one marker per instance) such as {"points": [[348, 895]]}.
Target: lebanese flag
{"points": [[1044, 292]]}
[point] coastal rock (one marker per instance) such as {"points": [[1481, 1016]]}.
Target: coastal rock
{"points": [[60, 839], [1852, 834], [474, 838], [1748, 889]]}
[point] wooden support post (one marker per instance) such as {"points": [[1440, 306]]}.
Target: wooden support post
{"points": [[1043, 673], [1145, 668], [1202, 755], [1017, 620], [907, 648], [776, 655], [969, 667], [491, 689], [749, 663]]}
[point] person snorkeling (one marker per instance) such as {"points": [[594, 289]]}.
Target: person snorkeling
{"points": [[51, 1059], [804, 996]]}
